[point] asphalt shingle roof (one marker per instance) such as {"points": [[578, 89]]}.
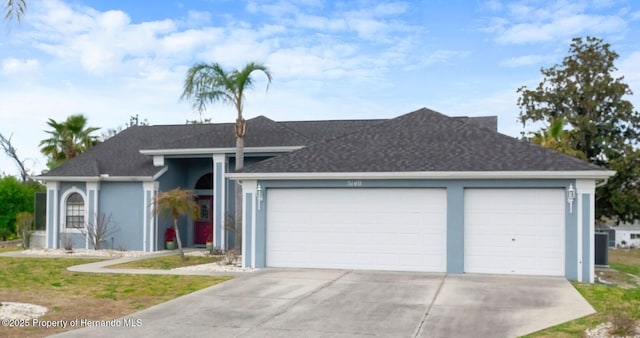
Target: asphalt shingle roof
{"points": [[420, 141], [120, 155]]}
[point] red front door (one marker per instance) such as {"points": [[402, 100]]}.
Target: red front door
{"points": [[203, 226]]}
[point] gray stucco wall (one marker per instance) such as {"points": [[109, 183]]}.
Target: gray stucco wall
{"points": [[196, 168], [124, 202]]}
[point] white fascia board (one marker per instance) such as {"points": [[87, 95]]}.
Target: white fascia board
{"points": [[586, 174], [200, 151], [101, 178], [68, 178]]}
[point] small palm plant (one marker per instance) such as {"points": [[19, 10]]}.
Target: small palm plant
{"points": [[176, 202]]}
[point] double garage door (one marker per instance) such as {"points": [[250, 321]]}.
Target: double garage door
{"points": [[506, 230]]}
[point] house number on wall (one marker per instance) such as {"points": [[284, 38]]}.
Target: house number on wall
{"points": [[354, 183]]}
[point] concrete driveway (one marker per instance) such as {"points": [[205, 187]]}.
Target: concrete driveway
{"points": [[340, 303]]}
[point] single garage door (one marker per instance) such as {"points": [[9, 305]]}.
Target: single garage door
{"points": [[375, 229], [514, 231]]}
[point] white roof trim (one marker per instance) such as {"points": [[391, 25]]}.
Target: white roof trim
{"points": [[101, 178], [197, 151], [585, 174], [160, 173]]}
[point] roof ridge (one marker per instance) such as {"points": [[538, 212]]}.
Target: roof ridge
{"points": [[278, 125], [421, 140]]}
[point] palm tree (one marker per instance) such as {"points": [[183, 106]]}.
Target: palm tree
{"points": [[15, 9], [68, 139], [209, 83], [556, 138], [176, 202]]}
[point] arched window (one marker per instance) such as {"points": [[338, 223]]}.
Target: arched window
{"points": [[75, 211], [205, 182]]}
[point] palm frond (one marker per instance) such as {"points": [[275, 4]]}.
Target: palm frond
{"points": [[15, 9]]}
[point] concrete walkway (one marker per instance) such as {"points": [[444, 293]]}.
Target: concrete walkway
{"points": [[102, 266]]}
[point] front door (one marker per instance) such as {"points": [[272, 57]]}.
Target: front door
{"points": [[203, 226]]}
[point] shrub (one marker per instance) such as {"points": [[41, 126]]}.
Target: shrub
{"points": [[24, 227], [623, 322]]}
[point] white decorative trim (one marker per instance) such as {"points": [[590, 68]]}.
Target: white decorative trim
{"points": [[103, 177], [586, 174], [158, 160], [160, 173], [63, 211], [200, 151]]}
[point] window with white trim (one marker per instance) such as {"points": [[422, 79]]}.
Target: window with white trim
{"points": [[74, 211]]}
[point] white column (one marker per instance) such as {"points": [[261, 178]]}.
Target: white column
{"points": [[219, 199], [154, 220], [249, 188], [52, 222], [148, 189], [586, 188], [92, 190]]}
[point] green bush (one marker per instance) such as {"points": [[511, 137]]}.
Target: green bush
{"points": [[15, 197]]}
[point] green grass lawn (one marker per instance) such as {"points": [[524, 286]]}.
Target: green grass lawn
{"points": [[166, 262], [73, 295], [619, 303]]}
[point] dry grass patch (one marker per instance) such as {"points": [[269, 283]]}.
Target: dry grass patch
{"points": [[624, 256], [73, 295], [618, 304], [166, 262]]}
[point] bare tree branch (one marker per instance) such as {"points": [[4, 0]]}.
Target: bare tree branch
{"points": [[12, 152]]}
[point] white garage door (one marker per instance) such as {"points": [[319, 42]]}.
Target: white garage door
{"points": [[514, 231], [377, 229]]}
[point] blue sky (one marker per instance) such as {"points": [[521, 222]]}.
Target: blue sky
{"points": [[330, 59]]}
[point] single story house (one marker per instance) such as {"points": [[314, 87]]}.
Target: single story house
{"points": [[627, 235], [419, 192]]}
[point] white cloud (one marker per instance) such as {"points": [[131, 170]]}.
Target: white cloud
{"points": [[527, 60], [16, 66], [493, 5], [561, 27], [630, 69], [198, 18], [522, 22]]}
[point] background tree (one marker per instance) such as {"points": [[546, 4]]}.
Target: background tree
{"points": [[556, 138], [12, 152], [15, 197], [603, 125], [14, 9], [134, 120], [176, 202], [68, 139], [210, 83]]}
